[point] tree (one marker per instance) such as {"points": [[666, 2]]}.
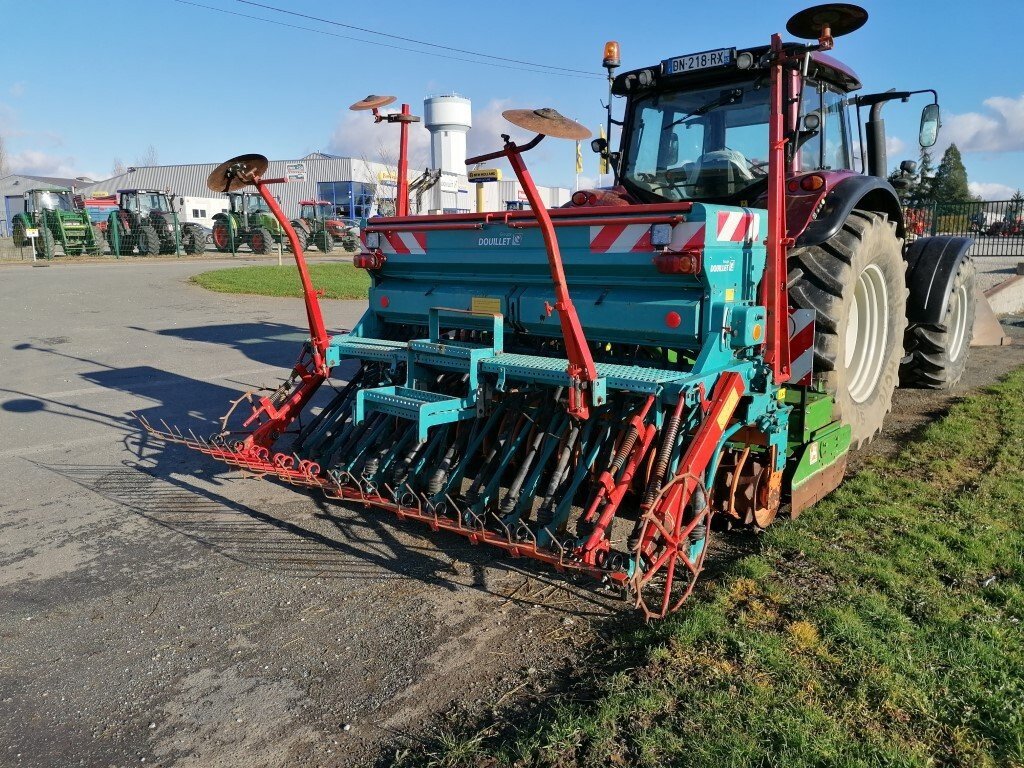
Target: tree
{"points": [[920, 193], [117, 167], [1016, 204], [951, 179], [150, 157]]}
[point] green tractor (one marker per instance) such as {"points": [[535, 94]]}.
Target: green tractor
{"points": [[318, 225], [60, 219], [249, 222], [146, 220]]}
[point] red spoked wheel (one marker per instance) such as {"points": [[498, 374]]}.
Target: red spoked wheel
{"points": [[221, 237], [673, 543]]}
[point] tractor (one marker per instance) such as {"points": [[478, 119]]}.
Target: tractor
{"points": [[60, 219], [248, 221], [318, 226], [146, 220], [602, 386]]}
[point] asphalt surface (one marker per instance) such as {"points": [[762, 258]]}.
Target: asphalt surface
{"points": [[159, 609]]}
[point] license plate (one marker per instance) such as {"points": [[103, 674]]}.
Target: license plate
{"points": [[720, 58]]}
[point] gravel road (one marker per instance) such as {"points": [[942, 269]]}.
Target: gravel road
{"points": [[161, 610]]}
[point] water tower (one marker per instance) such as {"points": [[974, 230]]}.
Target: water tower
{"points": [[448, 118]]}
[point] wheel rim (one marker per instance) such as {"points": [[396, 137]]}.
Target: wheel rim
{"points": [[958, 323], [220, 236], [867, 333]]}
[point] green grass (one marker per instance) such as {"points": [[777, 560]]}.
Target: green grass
{"points": [[885, 627], [335, 281]]}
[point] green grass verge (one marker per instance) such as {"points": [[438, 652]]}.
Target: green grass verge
{"points": [[882, 628], [336, 281]]}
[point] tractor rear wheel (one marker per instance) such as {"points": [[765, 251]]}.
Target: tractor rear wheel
{"points": [[300, 235], [856, 283], [260, 240], [148, 240], [193, 239], [45, 244], [18, 233], [324, 241], [96, 249], [937, 354]]}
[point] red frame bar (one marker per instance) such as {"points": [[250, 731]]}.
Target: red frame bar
{"points": [[402, 190], [317, 330], [555, 213], [581, 362], [774, 294]]}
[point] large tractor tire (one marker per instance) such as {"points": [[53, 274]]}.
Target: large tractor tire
{"points": [[324, 241], [937, 354], [221, 236], [300, 235], [193, 239], [856, 283], [46, 247], [18, 233], [96, 249], [148, 240], [260, 240]]}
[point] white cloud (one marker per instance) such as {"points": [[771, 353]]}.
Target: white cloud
{"points": [[36, 163], [489, 125], [894, 145], [1001, 129], [356, 135], [990, 190]]}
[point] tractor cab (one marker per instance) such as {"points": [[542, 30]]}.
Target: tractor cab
{"points": [[320, 211], [246, 205], [696, 126], [38, 200], [144, 202]]}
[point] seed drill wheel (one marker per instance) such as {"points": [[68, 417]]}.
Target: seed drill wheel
{"points": [[667, 558]]}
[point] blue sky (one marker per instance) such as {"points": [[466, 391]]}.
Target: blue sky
{"points": [[107, 79]]}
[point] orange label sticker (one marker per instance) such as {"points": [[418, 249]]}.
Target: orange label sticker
{"points": [[727, 410]]}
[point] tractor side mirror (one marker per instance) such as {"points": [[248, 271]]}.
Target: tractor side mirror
{"points": [[812, 121], [930, 123], [599, 145], [909, 167]]}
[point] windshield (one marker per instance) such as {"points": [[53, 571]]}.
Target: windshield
{"points": [[700, 144], [153, 201], [256, 204], [53, 201]]}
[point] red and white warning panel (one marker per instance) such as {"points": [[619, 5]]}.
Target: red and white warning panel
{"points": [[404, 242], [738, 226], [801, 346]]}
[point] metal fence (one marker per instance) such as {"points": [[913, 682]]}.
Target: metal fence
{"points": [[997, 226]]}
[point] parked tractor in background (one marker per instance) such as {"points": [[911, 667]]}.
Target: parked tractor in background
{"points": [[248, 221], [601, 386], [318, 226], [60, 220], [146, 220]]}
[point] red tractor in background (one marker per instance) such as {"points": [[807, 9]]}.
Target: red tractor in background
{"points": [[318, 226]]}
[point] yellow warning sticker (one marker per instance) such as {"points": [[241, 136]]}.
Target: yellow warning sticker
{"points": [[485, 304], [728, 407], [730, 294]]}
